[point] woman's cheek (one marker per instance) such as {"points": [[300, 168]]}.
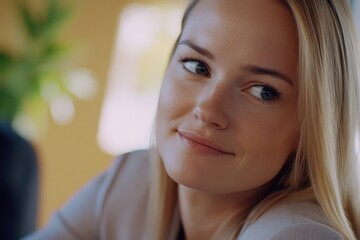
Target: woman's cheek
{"points": [[168, 96], [173, 93]]}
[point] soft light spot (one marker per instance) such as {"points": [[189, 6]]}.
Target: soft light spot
{"points": [[25, 126], [82, 84], [144, 40], [62, 109]]}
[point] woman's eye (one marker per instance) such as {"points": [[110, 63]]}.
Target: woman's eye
{"points": [[264, 93], [195, 66]]}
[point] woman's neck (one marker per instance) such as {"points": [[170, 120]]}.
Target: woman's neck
{"points": [[203, 213]]}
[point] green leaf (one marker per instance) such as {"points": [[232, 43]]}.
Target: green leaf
{"points": [[53, 10], [54, 51], [9, 105], [31, 25], [56, 17], [17, 78], [23, 77], [5, 61]]}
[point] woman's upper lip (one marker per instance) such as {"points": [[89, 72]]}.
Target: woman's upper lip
{"points": [[203, 141]]}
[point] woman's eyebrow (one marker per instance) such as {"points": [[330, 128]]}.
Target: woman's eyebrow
{"points": [[247, 68], [266, 71], [198, 49]]}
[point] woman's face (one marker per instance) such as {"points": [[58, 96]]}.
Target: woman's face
{"points": [[227, 119]]}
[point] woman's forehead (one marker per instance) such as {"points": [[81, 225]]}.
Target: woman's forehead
{"points": [[261, 32], [236, 7], [263, 17]]}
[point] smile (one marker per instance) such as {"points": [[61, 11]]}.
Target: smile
{"points": [[201, 145]]}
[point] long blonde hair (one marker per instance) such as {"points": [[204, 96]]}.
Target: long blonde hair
{"points": [[325, 167]]}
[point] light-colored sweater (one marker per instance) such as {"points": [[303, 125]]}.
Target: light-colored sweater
{"points": [[113, 207]]}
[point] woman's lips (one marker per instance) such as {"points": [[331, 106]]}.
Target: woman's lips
{"points": [[200, 144]]}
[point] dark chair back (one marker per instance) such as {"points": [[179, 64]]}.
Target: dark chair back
{"points": [[18, 185]]}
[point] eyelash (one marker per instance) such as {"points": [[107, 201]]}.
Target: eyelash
{"points": [[277, 94], [184, 60]]}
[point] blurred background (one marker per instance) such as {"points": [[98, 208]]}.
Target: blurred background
{"points": [[79, 81]]}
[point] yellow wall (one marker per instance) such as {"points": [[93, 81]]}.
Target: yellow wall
{"points": [[69, 154]]}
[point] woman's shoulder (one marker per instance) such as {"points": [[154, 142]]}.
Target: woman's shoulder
{"points": [[128, 175], [111, 204], [138, 159], [291, 220], [122, 209], [124, 167]]}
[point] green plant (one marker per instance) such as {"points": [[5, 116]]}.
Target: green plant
{"points": [[22, 75]]}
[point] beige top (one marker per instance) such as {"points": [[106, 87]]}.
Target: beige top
{"points": [[113, 206]]}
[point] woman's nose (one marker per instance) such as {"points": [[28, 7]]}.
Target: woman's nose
{"points": [[213, 111]]}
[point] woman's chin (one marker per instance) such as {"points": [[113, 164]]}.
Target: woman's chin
{"points": [[193, 178]]}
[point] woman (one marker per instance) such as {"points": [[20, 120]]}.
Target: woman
{"points": [[254, 136]]}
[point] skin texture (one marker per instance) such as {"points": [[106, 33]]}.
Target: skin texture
{"points": [[227, 119]]}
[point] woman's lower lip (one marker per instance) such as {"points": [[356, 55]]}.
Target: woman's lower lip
{"points": [[199, 148]]}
